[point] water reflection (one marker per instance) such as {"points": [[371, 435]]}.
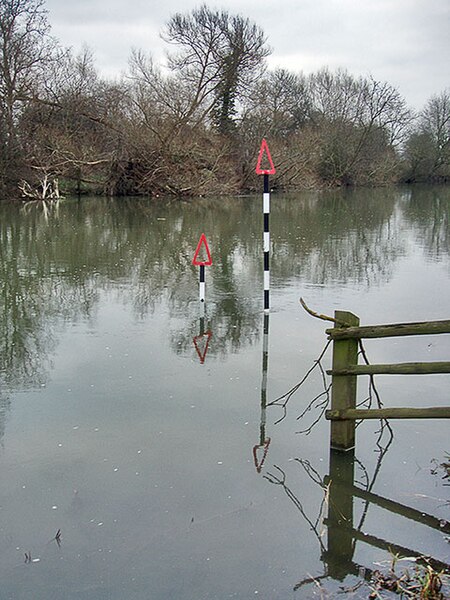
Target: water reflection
{"points": [[54, 265], [144, 465], [427, 211], [346, 490], [261, 449], [337, 517], [201, 341]]}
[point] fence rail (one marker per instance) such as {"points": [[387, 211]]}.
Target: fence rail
{"points": [[356, 414], [391, 330], [413, 368]]}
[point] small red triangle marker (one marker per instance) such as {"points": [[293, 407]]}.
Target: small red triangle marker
{"points": [[264, 153], [202, 246]]}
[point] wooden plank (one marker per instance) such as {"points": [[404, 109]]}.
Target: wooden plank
{"points": [[414, 368], [390, 330], [356, 414]]}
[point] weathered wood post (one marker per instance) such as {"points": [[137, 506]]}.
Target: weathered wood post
{"points": [[343, 389]]}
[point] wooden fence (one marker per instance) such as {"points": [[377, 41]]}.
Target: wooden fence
{"points": [[345, 369]]}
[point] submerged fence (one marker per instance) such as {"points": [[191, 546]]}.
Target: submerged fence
{"points": [[346, 336]]}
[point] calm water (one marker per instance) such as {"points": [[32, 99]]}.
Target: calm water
{"points": [[135, 426]]}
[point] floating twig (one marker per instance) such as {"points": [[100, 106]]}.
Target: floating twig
{"points": [[57, 538]]}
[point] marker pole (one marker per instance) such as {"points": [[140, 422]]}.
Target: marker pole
{"points": [[202, 291], [266, 242], [268, 169], [202, 248], [202, 286]]}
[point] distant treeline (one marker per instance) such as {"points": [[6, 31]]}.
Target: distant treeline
{"points": [[195, 126]]}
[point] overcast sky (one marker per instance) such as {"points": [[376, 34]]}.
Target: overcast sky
{"points": [[403, 42]]}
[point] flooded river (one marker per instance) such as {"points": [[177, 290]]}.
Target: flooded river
{"points": [[145, 452]]}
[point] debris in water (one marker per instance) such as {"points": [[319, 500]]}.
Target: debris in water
{"points": [[58, 538]]}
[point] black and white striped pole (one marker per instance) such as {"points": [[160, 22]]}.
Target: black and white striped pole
{"points": [[202, 284], [266, 169], [266, 242]]}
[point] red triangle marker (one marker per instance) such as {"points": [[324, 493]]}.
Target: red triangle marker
{"points": [[264, 153], [202, 246]]}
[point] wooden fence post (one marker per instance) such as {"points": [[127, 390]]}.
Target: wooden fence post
{"points": [[343, 390]]}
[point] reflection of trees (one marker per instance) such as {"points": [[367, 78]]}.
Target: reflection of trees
{"points": [[26, 301], [53, 264], [428, 213], [337, 236], [4, 410], [230, 331]]}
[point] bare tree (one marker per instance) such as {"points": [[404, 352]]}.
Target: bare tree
{"points": [[25, 50], [427, 150], [71, 130], [218, 54], [279, 105], [162, 103], [435, 124], [361, 121]]}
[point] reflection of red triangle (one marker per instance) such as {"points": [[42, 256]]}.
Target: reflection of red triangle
{"points": [[201, 343], [259, 462], [202, 246], [264, 152]]}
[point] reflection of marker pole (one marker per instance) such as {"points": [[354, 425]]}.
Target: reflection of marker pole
{"points": [[201, 341], [265, 366], [263, 447], [269, 169]]}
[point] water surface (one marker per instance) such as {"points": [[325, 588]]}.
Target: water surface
{"points": [[132, 422]]}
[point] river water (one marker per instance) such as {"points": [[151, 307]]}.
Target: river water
{"points": [[144, 451]]}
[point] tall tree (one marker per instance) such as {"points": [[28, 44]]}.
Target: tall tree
{"points": [[69, 130], [361, 121], [218, 55], [427, 150], [25, 49], [435, 127], [279, 105]]}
